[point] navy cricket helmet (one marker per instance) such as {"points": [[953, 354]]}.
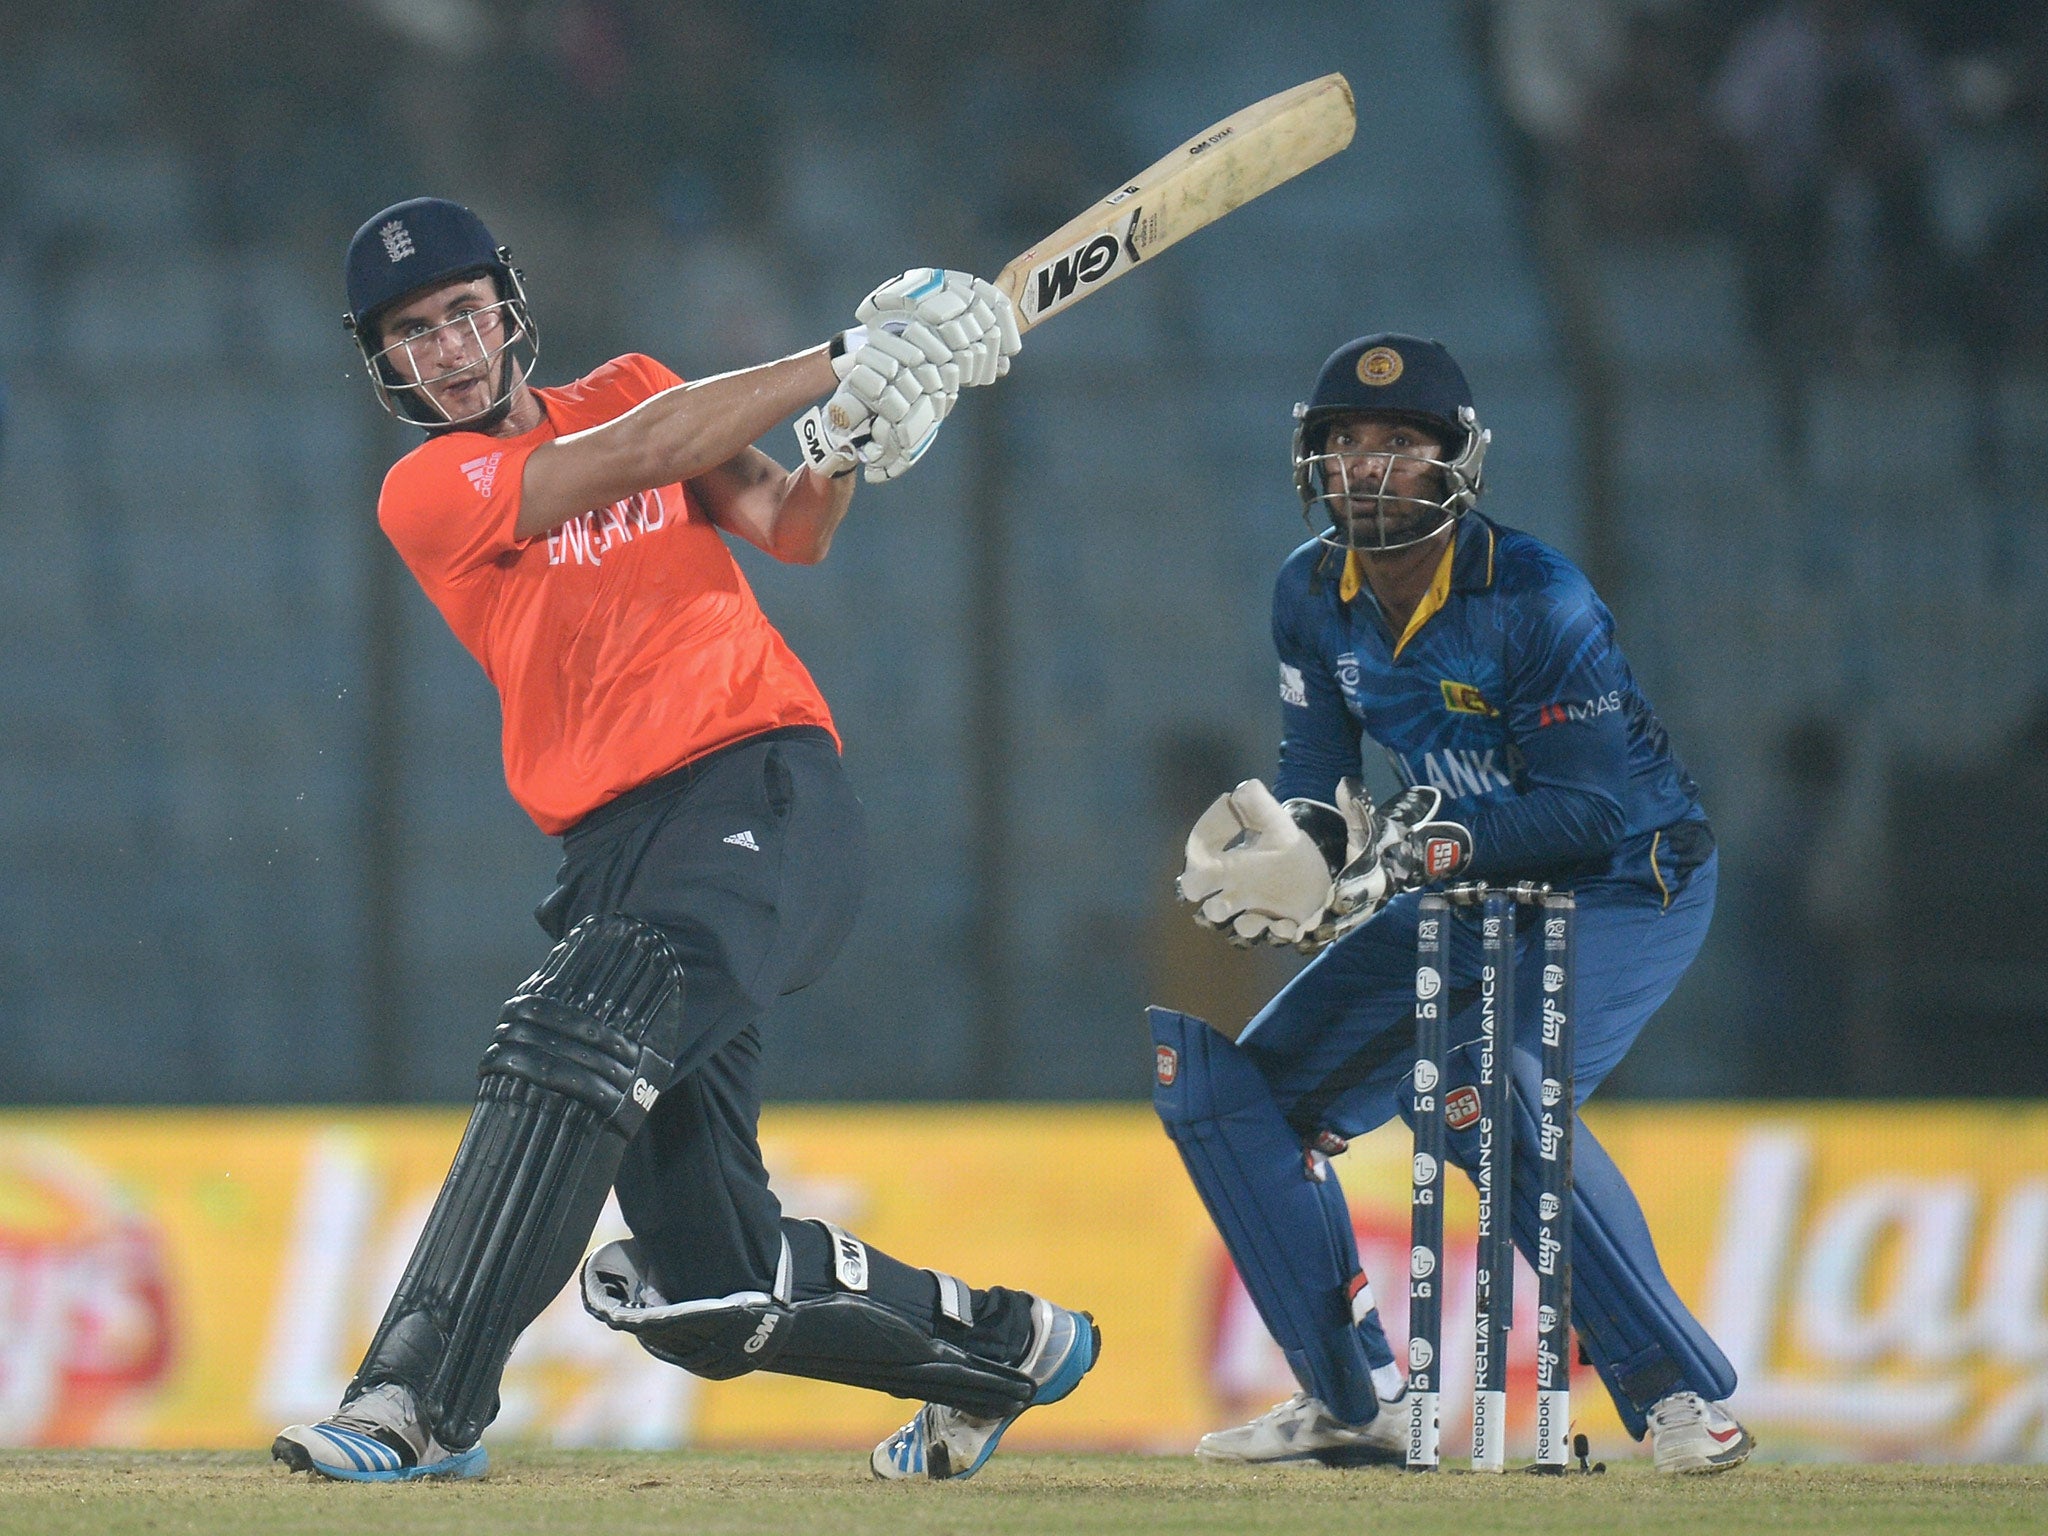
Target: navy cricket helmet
{"points": [[420, 244], [1404, 378]]}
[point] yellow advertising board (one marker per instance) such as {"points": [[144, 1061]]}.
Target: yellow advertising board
{"points": [[1879, 1274]]}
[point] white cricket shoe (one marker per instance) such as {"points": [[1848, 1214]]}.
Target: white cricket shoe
{"points": [[374, 1438], [1302, 1429], [942, 1442], [1690, 1434]]}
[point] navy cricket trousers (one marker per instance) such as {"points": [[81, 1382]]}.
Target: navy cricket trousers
{"points": [[751, 861]]}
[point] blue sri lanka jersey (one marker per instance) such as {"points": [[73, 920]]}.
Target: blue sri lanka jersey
{"points": [[1508, 693]]}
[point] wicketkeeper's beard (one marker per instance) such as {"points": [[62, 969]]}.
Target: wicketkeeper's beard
{"points": [[1369, 515]]}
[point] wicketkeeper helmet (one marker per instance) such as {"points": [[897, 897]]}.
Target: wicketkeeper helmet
{"points": [[1407, 379]]}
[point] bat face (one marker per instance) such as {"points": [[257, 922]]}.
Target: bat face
{"points": [[1221, 168], [1055, 283]]}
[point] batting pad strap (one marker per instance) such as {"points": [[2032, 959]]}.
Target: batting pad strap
{"points": [[1362, 1300], [600, 1022], [956, 1301], [785, 1272], [839, 1337], [849, 1258]]}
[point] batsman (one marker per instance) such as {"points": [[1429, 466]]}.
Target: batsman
{"points": [[654, 720], [1485, 666]]}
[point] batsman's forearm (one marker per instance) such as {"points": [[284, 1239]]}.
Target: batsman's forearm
{"points": [[812, 508], [678, 434], [703, 424]]}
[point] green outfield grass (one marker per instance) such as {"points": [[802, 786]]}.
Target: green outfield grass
{"points": [[611, 1494]]}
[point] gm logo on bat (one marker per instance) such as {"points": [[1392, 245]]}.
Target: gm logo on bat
{"points": [[1067, 277], [1055, 284]]}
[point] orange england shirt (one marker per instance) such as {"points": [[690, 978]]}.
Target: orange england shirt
{"points": [[624, 642]]}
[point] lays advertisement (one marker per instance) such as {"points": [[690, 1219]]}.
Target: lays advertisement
{"points": [[1879, 1274]]}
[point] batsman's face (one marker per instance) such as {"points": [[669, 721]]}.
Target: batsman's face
{"points": [[1383, 479], [446, 343]]}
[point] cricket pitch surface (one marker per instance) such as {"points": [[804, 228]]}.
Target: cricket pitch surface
{"points": [[112, 1493]]}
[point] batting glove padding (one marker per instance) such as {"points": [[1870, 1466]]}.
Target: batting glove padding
{"points": [[894, 383], [968, 315]]}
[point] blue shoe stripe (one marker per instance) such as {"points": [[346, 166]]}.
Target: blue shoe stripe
{"points": [[908, 1450], [380, 1457], [340, 1440]]}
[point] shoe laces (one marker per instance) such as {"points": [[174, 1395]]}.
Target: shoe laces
{"points": [[1679, 1410], [1286, 1410], [360, 1415]]}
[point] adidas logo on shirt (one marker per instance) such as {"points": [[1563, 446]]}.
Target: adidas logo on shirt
{"points": [[743, 840], [483, 473]]}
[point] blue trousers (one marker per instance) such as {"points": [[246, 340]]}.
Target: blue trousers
{"points": [[1334, 1051], [1337, 1043]]}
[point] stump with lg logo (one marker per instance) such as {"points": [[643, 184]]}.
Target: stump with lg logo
{"points": [[1487, 1109]]}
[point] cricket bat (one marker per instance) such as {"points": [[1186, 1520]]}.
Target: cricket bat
{"points": [[1223, 167]]}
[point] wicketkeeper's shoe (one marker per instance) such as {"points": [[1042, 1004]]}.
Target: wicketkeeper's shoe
{"points": [[1690, 1434], [1302, 1429], [375, 1438], [943, 1442]]}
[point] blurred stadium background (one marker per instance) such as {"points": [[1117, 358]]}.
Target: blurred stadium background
{"points": [[1753, 294]]}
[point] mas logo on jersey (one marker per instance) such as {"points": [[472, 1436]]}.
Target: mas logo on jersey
{"points": [[1583, 709], [1380, 365], [1464, 699], [1292, 689]]}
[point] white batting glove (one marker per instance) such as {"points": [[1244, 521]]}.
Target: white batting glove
{"points": [[831, 437], [895, 382], [1252, 871], [970, 316]]}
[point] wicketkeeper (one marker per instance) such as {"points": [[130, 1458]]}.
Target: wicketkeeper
{"points": [[1485, 666], [712, 853]]}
